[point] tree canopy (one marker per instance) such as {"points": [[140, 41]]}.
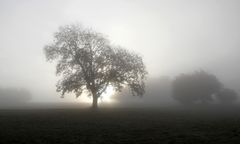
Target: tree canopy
{"points": [[227, 96], [198, 87], [88, 62]]}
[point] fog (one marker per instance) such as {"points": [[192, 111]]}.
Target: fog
{"points": [[172, 36]]}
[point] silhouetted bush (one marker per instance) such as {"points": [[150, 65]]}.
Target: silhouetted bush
{"points": [[198, 87], [227, 96]]}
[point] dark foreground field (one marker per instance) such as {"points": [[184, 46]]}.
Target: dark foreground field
{"points": [[119, 125]]}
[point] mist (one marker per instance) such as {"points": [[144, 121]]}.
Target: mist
{"points": [[122, 71], [173, 37]]}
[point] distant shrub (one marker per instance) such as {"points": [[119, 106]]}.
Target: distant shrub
{"points": [[14, 95], [227, 96], [195, 88]]}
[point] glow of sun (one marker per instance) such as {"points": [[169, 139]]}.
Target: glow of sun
{"points": [[106, 97]]}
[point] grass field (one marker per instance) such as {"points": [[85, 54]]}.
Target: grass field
{"points": [[119, 125]]}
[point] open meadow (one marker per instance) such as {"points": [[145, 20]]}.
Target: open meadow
{"points": [[119, 125]]}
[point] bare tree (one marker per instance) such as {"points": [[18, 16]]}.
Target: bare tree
{"points": [[87, 62]]}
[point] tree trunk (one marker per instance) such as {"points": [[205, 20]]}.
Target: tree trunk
{"points": [[95, 102]]}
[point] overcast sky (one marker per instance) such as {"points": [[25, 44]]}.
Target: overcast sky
{"points": [[173, 36]]}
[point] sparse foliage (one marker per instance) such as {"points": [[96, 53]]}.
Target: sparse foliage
{"points": [[87, 62]]}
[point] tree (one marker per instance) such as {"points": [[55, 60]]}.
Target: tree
{"points": [[227, 96], [198, 87], [158, 92], [87, 62], [13, 95]]}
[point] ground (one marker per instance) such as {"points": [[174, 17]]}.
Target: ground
{"points": [[119, 125]]}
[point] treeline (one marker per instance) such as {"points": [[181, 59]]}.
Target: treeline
{"points": [[201, 87], [14, 95], [197, 88]]}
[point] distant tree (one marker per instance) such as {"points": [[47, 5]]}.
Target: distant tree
{"points": [[158, 92], [195, 88], [87, 62], [14, 95], [227, 96]]}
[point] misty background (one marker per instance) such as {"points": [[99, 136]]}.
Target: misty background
{"points": [[173, 37]]}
